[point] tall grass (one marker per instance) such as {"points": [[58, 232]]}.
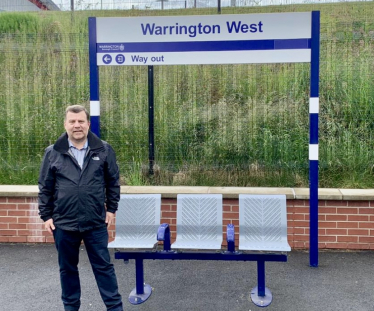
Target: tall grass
{"points": [[218, 125]]}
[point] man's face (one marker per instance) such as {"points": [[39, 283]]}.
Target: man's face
{"points": [[77, 125]]}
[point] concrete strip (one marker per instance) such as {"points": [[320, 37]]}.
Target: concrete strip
{"points": [[233, 192], [228, 192], [357, 194], [323, 194]]}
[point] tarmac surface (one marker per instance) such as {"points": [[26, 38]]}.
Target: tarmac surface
{"points": [[29, 280]]}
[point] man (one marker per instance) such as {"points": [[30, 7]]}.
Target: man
{"points": [[79, 192]]}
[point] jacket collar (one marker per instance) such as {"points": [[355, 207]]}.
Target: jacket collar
{"points": [[62, 144]]}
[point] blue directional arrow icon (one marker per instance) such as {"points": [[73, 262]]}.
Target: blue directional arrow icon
{"points": [[107, 59]]}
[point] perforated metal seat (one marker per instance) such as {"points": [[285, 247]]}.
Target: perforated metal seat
{"points": [[137, 221], [199, 221], [263, 223]]}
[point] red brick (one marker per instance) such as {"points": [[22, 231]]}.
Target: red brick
{"points": [[41, 226], [49, 239], [4, 239], [168, 201], [336, 231], [235, 208], [17, 239], [166, 207], [363, 225], [301, 224], [46, 233], [346, 224], [17, 213], [358, 232], [225, 222], [231, 215], [27, 206], [327, 238], [8, 220], [32, 213], [336, 203], [3, 213], [32, 200], [167, 221], [358, 203], [360, 246], [298, 202], [336, 217], [226, 208], [366, 239], [327, 210], [8, 206], [16, 200], [299, 231], [30, 232], [327, 224], [347, 239], [4, 226], [348, 210], [35, 239], [320, 217], [298, 216], [300, 210], [358, 218], [371, 232], [168, 214], [366, 211], [300, 245], [8, 232], [3, 200], [299, 237], [336, 245], [29, 220], [17, 226], [321, 245]]}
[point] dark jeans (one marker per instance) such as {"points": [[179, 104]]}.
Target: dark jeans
{"points": [[96, 243]]}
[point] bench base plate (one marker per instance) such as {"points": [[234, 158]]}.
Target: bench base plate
{"points": [[261, 301], [137, 299]]}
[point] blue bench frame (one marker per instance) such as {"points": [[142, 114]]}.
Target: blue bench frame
{"points": [[260, 295]]}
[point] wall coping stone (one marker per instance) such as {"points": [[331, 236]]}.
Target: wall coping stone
{"points": [[227, 192]]}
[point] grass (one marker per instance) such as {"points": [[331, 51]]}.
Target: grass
{"points": [[215, 125]]}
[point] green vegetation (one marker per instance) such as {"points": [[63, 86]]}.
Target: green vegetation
{"points": [[221, 125]]}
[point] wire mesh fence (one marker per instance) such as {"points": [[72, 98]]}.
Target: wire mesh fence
{"points": [[223, 125]]}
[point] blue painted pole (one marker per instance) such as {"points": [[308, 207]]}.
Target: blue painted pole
{"points": [[139, 274], [313, 139], [94, 78], [261, 277]]}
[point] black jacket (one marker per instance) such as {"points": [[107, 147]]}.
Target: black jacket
{"points": [[75, 198]]}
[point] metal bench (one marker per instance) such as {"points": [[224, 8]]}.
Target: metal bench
{"points": [[199, 237], [262, 227], [199, 221], [137, 220]]}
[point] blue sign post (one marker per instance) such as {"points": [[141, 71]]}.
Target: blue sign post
{"points": [[214, 39]]}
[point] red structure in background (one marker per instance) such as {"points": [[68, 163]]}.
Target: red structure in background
{"points": [[40, 4]]}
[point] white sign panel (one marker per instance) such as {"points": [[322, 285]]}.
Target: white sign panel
{"points": [[211, 39]]}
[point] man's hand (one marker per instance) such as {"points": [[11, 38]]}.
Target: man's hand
{"points": [[49, 226], [109, 218]]}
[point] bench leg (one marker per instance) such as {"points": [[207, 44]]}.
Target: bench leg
{"points": [[261, 296], [142, 291]]}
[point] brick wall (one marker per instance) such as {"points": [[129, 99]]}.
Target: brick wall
{"points": [[343, 224]]}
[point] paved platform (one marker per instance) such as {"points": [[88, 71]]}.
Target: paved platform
{"points": [[29, 280]]}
